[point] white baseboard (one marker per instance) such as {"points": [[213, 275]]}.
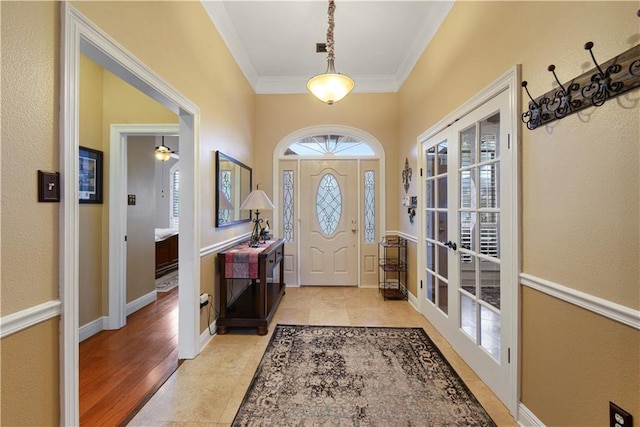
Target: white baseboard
{"points": [[90, 329], [526, 418], [144, 300], [206, 337], [413, 301]]}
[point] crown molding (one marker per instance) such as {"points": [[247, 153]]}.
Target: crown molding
{"points": [[222, 21]]}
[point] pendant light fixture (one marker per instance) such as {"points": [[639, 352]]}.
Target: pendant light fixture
{"points": [[331, 86], [163, 153]]}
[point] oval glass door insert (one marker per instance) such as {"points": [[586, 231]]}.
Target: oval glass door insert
{"points": [[328, 204]]}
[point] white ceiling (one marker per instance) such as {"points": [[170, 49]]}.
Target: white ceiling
{"points": [[377, 43]]}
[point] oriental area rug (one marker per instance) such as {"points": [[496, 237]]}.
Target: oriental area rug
{"points": [[167, 282], [356, 376]]}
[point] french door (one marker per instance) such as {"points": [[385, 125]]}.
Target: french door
{"points": [[467, 246]]}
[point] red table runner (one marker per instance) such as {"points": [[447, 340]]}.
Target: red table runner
{"points": [[241, 262]]}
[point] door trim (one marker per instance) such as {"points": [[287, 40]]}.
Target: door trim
{"points": [[79, 35], [118, 213], [509, 81]]}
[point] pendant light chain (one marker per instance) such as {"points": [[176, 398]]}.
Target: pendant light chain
{"points": [[330, 56]]}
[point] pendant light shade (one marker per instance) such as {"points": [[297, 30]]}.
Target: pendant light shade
{"points": [[331, 86]]}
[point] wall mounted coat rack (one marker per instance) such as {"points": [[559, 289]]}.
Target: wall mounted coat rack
{"points": [[618, 75]]}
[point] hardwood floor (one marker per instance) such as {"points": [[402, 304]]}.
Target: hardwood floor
{"points": [[120, 370]]}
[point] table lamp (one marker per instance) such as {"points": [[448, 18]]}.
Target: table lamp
{"points": [[257, 200]]}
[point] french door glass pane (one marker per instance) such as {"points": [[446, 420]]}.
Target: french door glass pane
{"points": [[468, 316], [468, 194], [490, 331], [443, 298], [490, 234], [443, 261], [442, 191], [430, 196], [489, 185], [490, 282], [468, 146], [431, 292], [431, 256], [442, 226], [467, 232], [442, 158], [431, 232], [489, 138], [431, 152], [468, 275]]}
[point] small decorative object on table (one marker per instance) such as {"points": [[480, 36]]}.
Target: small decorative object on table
{"points": [[257, 200]]}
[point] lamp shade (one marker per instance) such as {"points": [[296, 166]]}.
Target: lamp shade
{"points": [[330, 88], [257, 200]]}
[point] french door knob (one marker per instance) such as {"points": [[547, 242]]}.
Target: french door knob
{"points": [[450, 244]]}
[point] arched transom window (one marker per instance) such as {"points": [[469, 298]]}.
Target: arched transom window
{"points": [[337, 145]]}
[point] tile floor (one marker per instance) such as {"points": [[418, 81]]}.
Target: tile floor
{"points": [[209, 389]]}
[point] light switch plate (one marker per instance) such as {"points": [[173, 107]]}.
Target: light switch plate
{"points": [[48, 186]]}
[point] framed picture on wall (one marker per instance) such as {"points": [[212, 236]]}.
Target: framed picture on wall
{"points": [[90, 176]]}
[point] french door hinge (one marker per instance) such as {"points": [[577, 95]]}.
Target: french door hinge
{"points": [[125, 237], [420, 284], [509, 141], [509, 355], [420, 171]]}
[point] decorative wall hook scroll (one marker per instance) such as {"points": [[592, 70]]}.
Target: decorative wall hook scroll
{"points": [[406, 175], [614, 77]]}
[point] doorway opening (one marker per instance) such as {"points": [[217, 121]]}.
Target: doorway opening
{"points": [[80, 36]]}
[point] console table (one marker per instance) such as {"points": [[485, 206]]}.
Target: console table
{"points": [[254, 308]]}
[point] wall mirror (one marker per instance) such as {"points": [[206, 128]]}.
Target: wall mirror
{"points": [[234, 185]]}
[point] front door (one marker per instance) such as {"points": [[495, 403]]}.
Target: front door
{"points": [[467, 240], [329, 222]]}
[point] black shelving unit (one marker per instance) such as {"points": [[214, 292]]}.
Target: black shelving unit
{"points": [[392, 268]]}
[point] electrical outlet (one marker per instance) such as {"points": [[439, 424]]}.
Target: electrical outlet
{"points": [[204, 299], [618, 417]]}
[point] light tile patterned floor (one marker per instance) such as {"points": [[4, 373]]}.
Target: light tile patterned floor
{"points": [[209, 389]]}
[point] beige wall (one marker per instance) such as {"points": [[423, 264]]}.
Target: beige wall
{"points": [[580, 190], [29, 143], [29, 395], [574, 362], [141, 259], [29, 100]]}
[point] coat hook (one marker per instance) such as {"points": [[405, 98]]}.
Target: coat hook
{"points": [[562, 104], [552, 68], [588, 46], [533, 117], [601, 86]]}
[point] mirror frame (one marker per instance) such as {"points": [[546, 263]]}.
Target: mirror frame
{"points": [[221, 156]]}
